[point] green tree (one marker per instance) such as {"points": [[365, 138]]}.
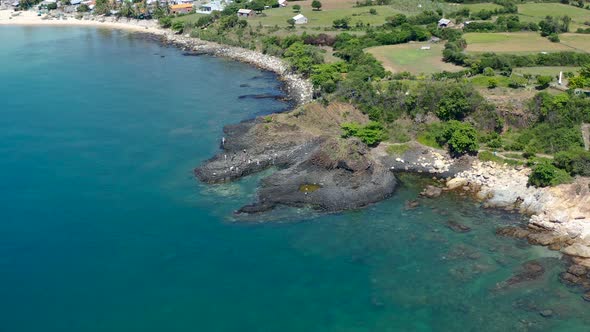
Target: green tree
{"points": [[460, 137], [291, 23], [342, 23], [316, 5], [297, 8], [257, 6], [302, 57], [454, 105]]}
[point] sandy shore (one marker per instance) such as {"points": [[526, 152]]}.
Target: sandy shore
{"points": [[9, 17]]}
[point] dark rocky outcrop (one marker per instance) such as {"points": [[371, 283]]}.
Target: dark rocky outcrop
{"points": [[315, 169]]}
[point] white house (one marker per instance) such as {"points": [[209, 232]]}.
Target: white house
{"points": [[282, 3], [210, 7], [300, 19]]}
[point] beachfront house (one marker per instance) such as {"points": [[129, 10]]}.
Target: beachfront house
{"points": [[300, 19], [444, 23], [183, 8], [283, 3], [211, 7], [245, 13]]}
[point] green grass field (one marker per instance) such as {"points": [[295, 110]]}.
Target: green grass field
{"points": [[324, 18], [514, 42], [336, 9], [535, 12], [551, 71], [483, 81], [410, 58]]}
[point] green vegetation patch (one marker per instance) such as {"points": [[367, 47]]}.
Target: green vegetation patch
{"points": [[324, 18], [490, 156], [412, 58], [512, 42], [545, 174], [397, 149], [548, 71], [534, 12]]}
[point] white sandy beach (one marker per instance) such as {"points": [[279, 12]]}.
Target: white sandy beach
{"points": [[10, 17]]}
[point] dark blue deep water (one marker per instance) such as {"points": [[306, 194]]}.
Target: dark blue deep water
{"points": [[104, 228]]}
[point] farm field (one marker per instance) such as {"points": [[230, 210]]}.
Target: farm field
{"points": [[580, 42], [410, 58], [324, 18], [534, 12], [551, 71], [513, 42]]}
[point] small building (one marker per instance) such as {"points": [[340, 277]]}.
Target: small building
{"points": [[246, 13], [211, 7], [75, 2], [300, 19], [282, 3], [184, 8], [444, 23]]}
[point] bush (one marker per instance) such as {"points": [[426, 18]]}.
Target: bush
{"points": [[575, 161], [545, 174], [52, 6], [165, 22], [460, 137], [492, 83], [454, 105], [554, 38], [488, 71], [544, 81], [371, 134], [83, 8]]}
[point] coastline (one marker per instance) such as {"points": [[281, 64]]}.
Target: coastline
{"points": [[559, 217], [298, 89]]}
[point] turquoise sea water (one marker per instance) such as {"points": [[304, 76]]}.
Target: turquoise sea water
{"points": [[104, 227]]}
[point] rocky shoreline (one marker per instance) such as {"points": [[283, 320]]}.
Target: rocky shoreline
{"points": [[559, 216], [298, 89]]}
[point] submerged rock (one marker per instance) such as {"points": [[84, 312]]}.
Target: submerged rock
{"points": [[530, 271], [512, 231], [431, 191], [546, 313], [457, 227]]}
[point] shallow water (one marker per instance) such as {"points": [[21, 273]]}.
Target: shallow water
{"points": [[104, 227]]}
